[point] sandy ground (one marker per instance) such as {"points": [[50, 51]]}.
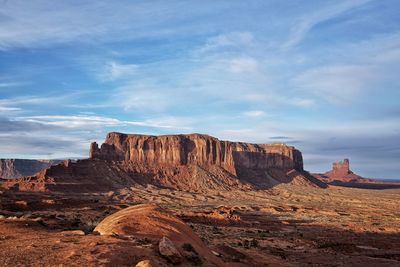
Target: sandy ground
{"points": [[288, 225]]}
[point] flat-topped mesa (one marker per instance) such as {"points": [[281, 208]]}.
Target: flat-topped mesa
{"points": [[196, 149]]}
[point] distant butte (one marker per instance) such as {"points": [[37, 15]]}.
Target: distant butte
{"points": [[341, 172], [342, 175]]}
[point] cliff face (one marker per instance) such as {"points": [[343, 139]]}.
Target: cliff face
{"points": [[194, 162], [202, 150], [14, 168]]}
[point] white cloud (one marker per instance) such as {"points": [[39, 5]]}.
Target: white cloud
{"points": [[143, 97], [336, 84], [115, 70], [254, 113], [5, 109], [301, 102], [227, 40], [37, 23], [90, 121], [32, 100], [11, 84], [243, 64], [305, 24]]}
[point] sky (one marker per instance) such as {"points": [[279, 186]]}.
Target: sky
{"points": [[319, 75]]}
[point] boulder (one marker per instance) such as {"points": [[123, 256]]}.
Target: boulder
{"points": [[169, 251], [158, 227]]}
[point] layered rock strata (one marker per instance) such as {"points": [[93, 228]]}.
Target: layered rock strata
{"points": [[192, 162], [196, 149]]}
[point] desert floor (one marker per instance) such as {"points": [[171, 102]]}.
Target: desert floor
{"points": [[288, 225]]}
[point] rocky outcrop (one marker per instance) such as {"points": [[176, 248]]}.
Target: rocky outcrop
{"points": [[340, 168], [14, 168], [155, 224], [202, 150], [193, 162], [341, 173]]}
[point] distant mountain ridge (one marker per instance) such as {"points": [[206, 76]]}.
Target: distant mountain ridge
{"points": [[14, 168]]}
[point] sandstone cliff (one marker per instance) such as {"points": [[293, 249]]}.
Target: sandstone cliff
{"points": [[191, 162], [196, 149], [14, 168]]}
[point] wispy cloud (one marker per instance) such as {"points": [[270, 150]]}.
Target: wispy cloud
{"points": [[336, 84], [307, 22], [11, 84], [243, 64], [5, 109], [32, 100], [61, 136], [114, 70], [90, 121], [254, 113], [232, 40], [38, 24]]}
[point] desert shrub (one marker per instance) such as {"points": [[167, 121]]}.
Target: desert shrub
{"points": [[188, 247], [194, 260], [89, 226], [249, 243], [254, 243]]}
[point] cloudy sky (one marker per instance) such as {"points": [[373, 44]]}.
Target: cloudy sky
{"points": [[320, 75]]}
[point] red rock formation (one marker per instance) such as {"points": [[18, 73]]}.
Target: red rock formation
{"points": [[191, 162], [196, 149], [341, 168], [341, 173], [148, 221]]}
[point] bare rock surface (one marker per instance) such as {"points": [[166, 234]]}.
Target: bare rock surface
{"points": [[149, 221]]}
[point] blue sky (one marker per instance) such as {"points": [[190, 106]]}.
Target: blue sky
{"points": [[319, 75]]}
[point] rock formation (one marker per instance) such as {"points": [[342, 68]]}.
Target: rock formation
{"points": [[341, 168], [14, 168], [341, 173], [192, 162], [196, 149], [151, 222]]}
